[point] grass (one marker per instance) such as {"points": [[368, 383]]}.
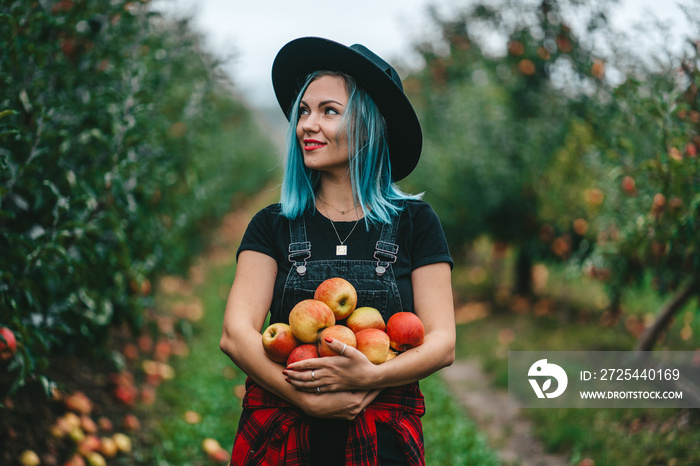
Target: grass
{"points": [[450, 437], [570, 315], [205, 384]]}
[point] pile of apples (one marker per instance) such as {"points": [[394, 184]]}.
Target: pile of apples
{"points": [[333, 313]]}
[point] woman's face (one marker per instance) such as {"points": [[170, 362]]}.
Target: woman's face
{"points": [[322, 139]]}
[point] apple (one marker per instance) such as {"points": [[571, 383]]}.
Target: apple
{"points": [[29, 458], [95, 459], [405, 331], [123, 442], [365, 317], [108, 447], [278, 341], [78, 402], [337, 332], [88, 444], [374, 344], [8, 344], [391, 355], [301, 352], [210, 445], [309, 317], [131, 422], [87, 424], [220, 456], [339, 295], [75, 460]]}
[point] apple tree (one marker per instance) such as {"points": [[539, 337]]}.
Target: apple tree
{"points": [[120, 145]]}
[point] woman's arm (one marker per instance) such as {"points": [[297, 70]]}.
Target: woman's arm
{"points": [[433, 303], [247, 307]]}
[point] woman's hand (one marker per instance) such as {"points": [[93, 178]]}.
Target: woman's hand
{"points": [[348, 371], [336, 405]]}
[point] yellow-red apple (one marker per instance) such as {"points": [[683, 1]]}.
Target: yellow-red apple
{"points": [[301, 352], [8, 344], [374, 344], [308, 318], [338, 332], [278, 341], [123, 442], [365, 317], [339, 295], [391, 355], [405, 331]]}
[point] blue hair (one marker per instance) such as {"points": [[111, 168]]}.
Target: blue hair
{"points": [[370, 166]]}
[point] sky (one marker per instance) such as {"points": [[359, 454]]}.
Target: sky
{"points": [[251, 32]]}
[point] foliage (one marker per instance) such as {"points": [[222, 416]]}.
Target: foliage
{"points": [[569, 152], [120, 144]]}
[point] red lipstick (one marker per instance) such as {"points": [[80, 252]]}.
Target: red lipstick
{"points": [[312, 144]]}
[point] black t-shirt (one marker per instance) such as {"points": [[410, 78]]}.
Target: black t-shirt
{"points": [[420, 238]]}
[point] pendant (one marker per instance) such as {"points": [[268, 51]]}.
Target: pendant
{"points": [[341, 250]]}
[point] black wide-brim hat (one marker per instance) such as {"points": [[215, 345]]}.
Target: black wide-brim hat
{"points": [[301, 57]]}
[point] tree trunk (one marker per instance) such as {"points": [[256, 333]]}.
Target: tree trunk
{"points": [[648, 339], [523, 273]]}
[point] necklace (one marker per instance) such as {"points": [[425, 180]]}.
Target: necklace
{"points": [[341, 212], [341, 249]]}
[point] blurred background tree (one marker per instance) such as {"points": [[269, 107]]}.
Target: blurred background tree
{"points": [[121, 145], [541, 141]]}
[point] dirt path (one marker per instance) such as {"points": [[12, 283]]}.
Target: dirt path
{"points": [[497, 416]]}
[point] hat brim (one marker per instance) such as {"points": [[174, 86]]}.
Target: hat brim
{"points": [[301, 57]]}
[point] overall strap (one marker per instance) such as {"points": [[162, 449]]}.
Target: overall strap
{"points": [[299, 247], [386, 248]]}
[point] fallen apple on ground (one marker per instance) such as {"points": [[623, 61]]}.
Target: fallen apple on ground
{"points": [[339, 295], [365, 317], [278, 342], [405, 331], [308, 318], [29, 458], [123, 442], [337, 332], [374, 344]]}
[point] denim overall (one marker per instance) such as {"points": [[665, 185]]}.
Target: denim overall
{"points": [[376, 287], [374, 280]]}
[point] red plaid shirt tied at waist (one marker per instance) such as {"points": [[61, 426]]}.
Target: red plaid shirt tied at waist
{"points": [[274, 433]]}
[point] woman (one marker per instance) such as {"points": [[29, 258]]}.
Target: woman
{"points": [[352, 134]]}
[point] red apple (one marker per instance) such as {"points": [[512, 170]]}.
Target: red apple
{"points": [[365, 317], [78, 402], [220, 456], [278, 341], [374, 344], [301, 352], [405, 331], [309, 317], [337, 332], [8, 344], [339, 295], [88, 444], [75, 460]]}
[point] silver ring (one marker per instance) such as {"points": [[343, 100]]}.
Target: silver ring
{"points": [[318, 390], [345, 345], [313, 379]]}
